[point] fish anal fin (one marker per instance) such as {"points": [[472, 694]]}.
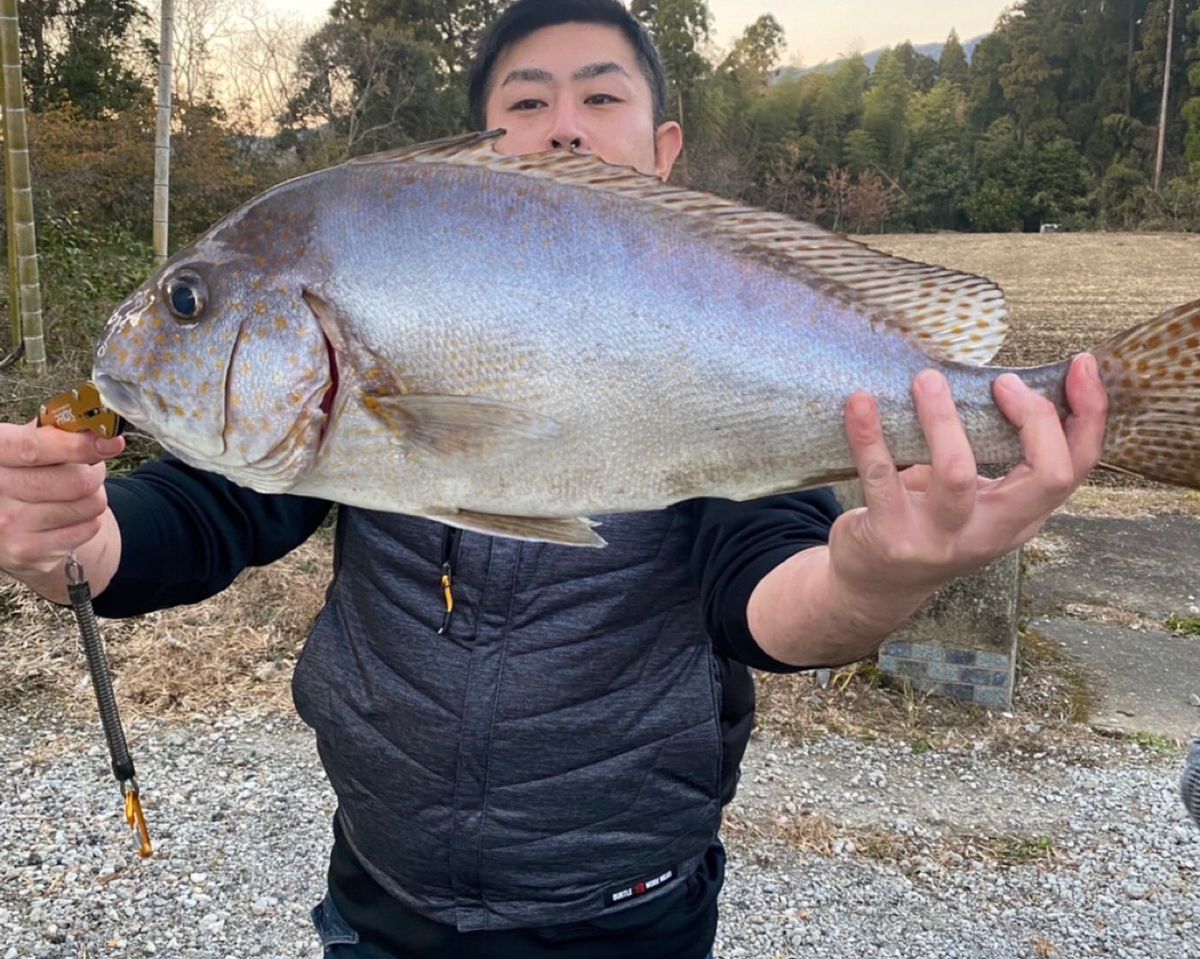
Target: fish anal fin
{"points": [[446, 425], [564, 531]]}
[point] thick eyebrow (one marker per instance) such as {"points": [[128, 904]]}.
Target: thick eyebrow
{"points": [[538, 75], [599, 69], [528, 75]]}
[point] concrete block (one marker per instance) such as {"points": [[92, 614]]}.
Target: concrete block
{"points": [[906, 668], [993, 697], [984, 677], [955, 691], [966, 632], [946, 673], [960, 657]]}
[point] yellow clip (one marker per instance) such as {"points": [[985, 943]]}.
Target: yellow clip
{"points": [[449, 594], [80, 409], [137, 822]]}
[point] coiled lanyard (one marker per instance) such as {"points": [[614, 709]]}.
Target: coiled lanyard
{"points": [[77, 410]]}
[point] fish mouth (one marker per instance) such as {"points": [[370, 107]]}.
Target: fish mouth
{"points": [[119, 396], [128, 403]]}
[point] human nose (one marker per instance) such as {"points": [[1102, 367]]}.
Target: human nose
{"points": [[566, 132]]}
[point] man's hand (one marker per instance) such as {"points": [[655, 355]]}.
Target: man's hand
{"points": [[926, 525], [52, 503]]}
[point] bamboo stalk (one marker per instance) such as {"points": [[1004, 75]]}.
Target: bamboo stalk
{"points": [[162, 133], [20, 193], [14, 285]]}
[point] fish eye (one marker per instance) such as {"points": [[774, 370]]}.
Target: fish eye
{"points": [[186, 296]]}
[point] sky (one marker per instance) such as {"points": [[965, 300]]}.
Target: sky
{"points": [[818, 30]]}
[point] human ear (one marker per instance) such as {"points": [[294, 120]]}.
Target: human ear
{"points": [[668, 142]]}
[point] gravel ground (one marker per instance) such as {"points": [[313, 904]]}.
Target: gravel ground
{"points": [[1103, 860]]}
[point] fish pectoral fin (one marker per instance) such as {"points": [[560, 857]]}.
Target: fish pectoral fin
{"points": [[565, 531], [457, 425]]}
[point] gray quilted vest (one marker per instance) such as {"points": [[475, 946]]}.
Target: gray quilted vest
{"points": [[553, 754]]}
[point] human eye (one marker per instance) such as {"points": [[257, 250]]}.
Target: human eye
{"points": [[529, 103], [599, 99]]}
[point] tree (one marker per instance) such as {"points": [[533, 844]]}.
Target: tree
{"points": [[938, 181], [938, 184], [370, 87], [952, 66], [920, 69], [1151, 68], [1191, 109], [868, 204], [884, 112], [984, 91], [95, 54], [757, 51], [838, 105], [451, 28], [1032, 76], [678, 27]]}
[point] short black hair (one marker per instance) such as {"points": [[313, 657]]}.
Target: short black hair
{"points": [[528, 16]]}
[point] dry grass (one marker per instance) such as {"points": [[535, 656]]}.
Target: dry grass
{"points": [[1051, 694], [816, 832], [1132, 502], [234, 651]]}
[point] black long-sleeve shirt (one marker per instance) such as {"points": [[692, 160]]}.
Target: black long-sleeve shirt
{"points": [[186, 534]]}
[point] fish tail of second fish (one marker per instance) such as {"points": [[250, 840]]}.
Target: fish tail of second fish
{"points": [[1152, 374]]}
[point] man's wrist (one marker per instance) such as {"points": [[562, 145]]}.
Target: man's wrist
{"points": [[873, 608]]}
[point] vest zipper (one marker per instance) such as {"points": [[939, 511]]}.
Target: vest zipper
{"points": [[450, 538]]}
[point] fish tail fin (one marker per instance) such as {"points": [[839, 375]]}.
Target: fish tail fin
{"points": [[1152, 373]]}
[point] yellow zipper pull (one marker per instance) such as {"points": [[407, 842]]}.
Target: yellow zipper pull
{"points": [[448, 592]]}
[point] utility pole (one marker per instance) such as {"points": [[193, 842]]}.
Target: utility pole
{"points": [[1162, 116]]}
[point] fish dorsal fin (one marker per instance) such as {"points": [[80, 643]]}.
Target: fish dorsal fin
{"points": [[461, 149], [949, 315]]}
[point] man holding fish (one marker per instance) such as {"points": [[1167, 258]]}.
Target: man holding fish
{"points": [[530, 741]]}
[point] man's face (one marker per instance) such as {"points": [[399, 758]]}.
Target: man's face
{"points": [[579, 86]]}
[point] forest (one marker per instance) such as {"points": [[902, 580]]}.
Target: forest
{"points": [[1054, 118]]}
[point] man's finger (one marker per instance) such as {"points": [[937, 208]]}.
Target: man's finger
{"points": [[32, 445], [882, 489], [50, 548], [1089, 413], [1050, 474], [41, 518], [916, 479], [63, 483], [954, 477]]}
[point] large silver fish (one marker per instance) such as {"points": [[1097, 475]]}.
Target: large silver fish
{"points": [[514, 344]]}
